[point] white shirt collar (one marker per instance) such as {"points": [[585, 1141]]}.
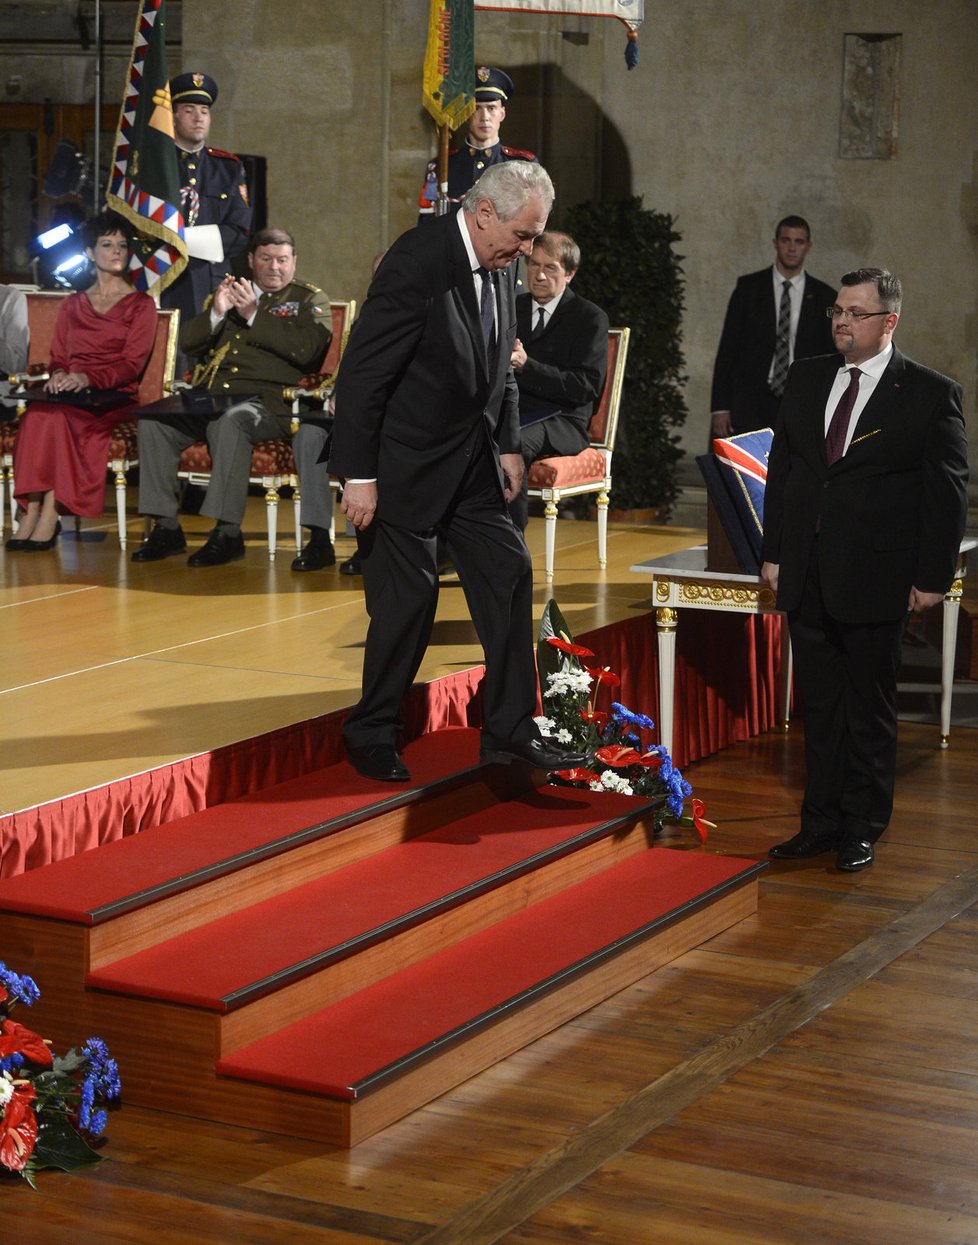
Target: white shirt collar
{"points": [[797, 282], [549, 307], [874, 367], [467, 239]]}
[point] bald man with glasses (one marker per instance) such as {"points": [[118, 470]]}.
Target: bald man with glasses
{"points": [[864, 510]]}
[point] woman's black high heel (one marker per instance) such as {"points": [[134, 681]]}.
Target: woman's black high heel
{"points": [[39, 546]]}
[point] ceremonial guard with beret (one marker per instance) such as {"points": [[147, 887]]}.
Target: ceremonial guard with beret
{"points": [[214, 196], [254, 338], [482, 148]]}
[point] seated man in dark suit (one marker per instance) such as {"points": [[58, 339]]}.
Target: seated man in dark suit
{"points": [[560, 358]]}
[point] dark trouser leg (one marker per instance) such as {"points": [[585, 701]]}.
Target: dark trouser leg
{"points": [[400, 583], [847, 677], [497, 578]]}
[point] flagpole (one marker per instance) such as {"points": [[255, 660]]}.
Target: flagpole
{"points": [[441, 206], [97, 128]]}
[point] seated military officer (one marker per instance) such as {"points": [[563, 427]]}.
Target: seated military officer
{"points": [[253, 338]]}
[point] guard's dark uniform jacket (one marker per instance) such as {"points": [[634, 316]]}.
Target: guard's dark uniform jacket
{"points": [[214, 192], [466, 164]]}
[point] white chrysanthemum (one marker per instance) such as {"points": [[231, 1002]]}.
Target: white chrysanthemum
{"points": [[564, 736], [610, 781], [546, 725], [6, 1089]]}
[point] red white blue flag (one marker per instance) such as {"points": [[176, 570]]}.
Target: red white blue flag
{"points": [[145, 181], [743, 459]]}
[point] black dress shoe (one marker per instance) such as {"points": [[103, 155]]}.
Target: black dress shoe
{"points": [[220, 548], [351, 566], [805, 845], [40, 546], [162, 542], [315, 555], [538, 752], [855, 854], [380, 761]]}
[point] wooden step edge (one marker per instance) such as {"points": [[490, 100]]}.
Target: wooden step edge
{"points": [[184, 910], [291, 973], [552, 982]]}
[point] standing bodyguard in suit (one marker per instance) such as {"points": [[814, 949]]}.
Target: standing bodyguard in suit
{"points": [[427, 440], [774, 316], [864, 510], [560, 357]]}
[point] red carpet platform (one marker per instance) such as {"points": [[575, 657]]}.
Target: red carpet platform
{"points": [[322, 957], [726, 686]]}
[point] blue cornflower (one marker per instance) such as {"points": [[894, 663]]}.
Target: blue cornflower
{"points": [[12, 1063], [23, 988], [638, 720], [103, 1070], [98, 1122], [87, 1102]]}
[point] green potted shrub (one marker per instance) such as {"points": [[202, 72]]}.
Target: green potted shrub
{"points": [[629, 268]]}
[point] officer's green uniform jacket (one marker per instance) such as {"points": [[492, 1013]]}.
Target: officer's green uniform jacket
{"points": [[287, 339]]}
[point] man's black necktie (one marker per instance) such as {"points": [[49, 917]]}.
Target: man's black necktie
{"points": [[835, 438], [782, 343], [541, 323], [487, 310]]}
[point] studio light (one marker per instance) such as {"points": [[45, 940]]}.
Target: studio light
{"points": [[59, 254]]}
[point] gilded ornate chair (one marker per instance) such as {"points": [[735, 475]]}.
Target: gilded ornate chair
{"points": [[553, 479]]}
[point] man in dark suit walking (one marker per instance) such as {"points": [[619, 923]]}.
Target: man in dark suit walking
{"points": [[560, 357], [427, 441], [864, 510], [774, 316]]}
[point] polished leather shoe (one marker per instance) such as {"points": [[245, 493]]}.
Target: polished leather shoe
{"points": [[220, 548], [855, 854], [314, 556], [380, 761], [162, 542], [537, 752], [351, 566], [805, 845]]}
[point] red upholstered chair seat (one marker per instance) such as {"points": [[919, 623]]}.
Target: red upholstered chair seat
{"points": [[122, 444], [268, 458], [588, 467]]}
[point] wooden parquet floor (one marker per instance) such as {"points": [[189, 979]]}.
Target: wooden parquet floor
{"points": [[808, 1076]]}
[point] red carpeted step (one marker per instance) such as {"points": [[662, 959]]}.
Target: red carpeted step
{"points": [[386, 1029], [233, 960], [143, 868]]}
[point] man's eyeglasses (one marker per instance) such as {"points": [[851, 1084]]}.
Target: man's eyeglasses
{"points": [[843, 313]]}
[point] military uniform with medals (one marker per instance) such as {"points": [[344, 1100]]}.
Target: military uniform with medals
{"points": [[286, 340]]}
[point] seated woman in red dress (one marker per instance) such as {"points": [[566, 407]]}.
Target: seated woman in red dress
{"points": [[102, 340]]}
